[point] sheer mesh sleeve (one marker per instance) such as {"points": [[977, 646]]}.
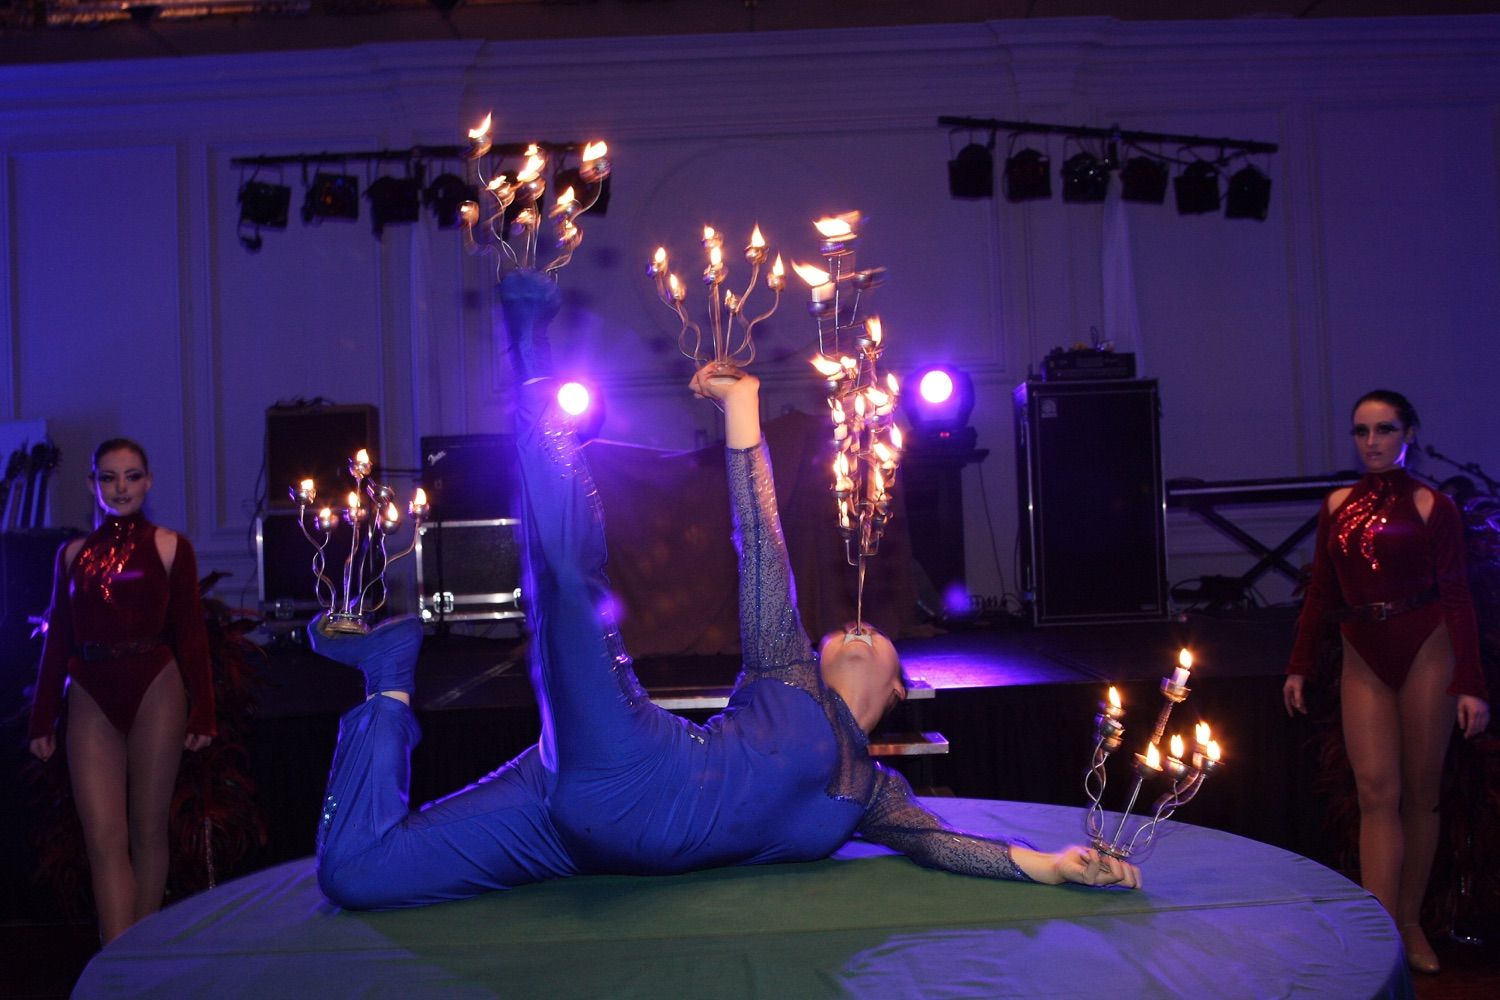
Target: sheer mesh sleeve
{"points": [[771, 633], [895, 820]]}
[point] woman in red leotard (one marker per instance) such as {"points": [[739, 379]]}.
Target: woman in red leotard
{"points": [[126, 634], [1389, 567]]}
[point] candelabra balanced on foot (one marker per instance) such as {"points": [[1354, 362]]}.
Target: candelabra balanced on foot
{"points": [[1185, 774], [731, 332], [356, 589]]}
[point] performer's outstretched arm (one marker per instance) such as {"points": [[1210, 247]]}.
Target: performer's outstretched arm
{"points": [[771, 632], [895, 820]]}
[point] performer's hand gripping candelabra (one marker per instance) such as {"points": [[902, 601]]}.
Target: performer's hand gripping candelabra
{"points": [[867, 442], [353, 591], [1185, 774], [731, 331], [511, 225]]}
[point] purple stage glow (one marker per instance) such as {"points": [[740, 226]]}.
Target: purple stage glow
{"points": [[574, 398], [936, 386]]}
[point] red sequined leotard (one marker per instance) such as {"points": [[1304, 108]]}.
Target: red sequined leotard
{"points": [[1375, 548], [117, 618]]}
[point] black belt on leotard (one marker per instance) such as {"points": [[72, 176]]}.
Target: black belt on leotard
{"points": [[96, 652], [1381, 610]]}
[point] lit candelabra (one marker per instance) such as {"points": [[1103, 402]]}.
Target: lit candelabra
{"points": [[353, 587], [731, 329], [867, 442], [511, 226], [1185, 774]]}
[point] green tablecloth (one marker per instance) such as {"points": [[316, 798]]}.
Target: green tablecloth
{"points": [[1219, 916]]}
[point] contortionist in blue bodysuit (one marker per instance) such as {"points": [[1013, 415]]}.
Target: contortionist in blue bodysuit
{"points": [[616, 785]]}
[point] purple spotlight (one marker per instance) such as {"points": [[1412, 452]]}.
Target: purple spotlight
{"points": [[574, 398], [936, 386], [943, 402]]}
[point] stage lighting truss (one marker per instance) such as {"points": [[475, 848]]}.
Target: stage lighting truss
{"points": [[396, 186], [1145, 169]]}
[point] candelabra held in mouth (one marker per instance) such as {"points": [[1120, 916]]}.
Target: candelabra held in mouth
{"points": [[1185, 774], [353, 588], [511, 225], [867, 442], [730, 339]]}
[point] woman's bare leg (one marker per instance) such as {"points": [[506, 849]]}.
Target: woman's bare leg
{"points": [[155, 752], [1427, 714], [1373, 741], [96, 767]]}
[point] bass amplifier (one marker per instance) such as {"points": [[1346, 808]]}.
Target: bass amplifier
{"points": [[1073, 366], [470, 570]]}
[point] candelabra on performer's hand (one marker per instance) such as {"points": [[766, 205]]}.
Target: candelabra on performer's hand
{"points": [[511, 225], [730, 337], [867, 442], [1185, 774], [353, 588]]}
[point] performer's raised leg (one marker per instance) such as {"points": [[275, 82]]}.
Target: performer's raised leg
{"points": [[373, 852]]}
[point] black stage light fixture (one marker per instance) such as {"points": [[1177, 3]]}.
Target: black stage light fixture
{"points": [[1249, 194], [1143, 179], [1028, 176], [331, 196], [583, 190], [264, 205], [393, 200], [971, 174], [1197, 188], [445, 195], [1085, 178]]}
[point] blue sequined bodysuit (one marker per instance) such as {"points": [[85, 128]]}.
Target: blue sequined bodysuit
{"points": [[616, 784]]}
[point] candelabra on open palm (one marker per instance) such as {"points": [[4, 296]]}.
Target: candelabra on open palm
{"points": [[730, 337], [1184, 773], [512, 213], [867, 441], [350, 584]]}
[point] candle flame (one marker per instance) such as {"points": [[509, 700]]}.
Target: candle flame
{"points": [[841, 464], [778, 268], [896, 438], [827, 368], [1202, 735], [709, 234], [1153, 757], [535, 161], [660, 257], [594, 151], [420, 497], [872, 327], [353, 500], [878, 481], [814, 276], [497, 182], [1114, 697], [877, 398], [715, 256], [566, 198], [756, 239], [391, 513], [892, 384], [842, 225], [306, 485], [1213, 750], [483, 130], [883, 452], [675, 285], [362, 457], [1186, 659], [1178, 747], [859, 406], [849, 363]]}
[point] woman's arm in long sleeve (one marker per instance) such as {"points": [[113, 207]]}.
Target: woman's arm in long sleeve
{"points": [[1451, 568], [771, 633], [190, 638], [57, 647], [895, 820], [1321, 597]]}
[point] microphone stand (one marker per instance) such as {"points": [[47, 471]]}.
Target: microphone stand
{"points": [[1472, 468]]}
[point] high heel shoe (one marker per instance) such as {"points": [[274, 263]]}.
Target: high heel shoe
{"points": [[1419, 953]]}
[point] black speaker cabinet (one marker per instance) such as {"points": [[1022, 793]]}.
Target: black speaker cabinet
{"points": [[316, 442], [470, 570], [468, 477], [1093, 533]]}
